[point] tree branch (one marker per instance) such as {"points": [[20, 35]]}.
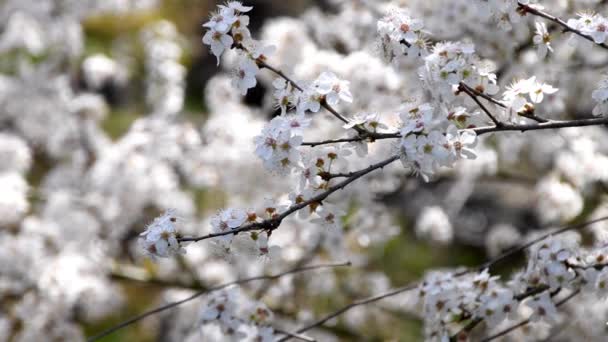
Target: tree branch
{"points": [[274, 223], [567, 28], [544, 125], [211, 289]]}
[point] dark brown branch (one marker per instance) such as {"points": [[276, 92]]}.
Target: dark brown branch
{"points": [[473, 323], [296, 336], [215, 288], [467, 90]]}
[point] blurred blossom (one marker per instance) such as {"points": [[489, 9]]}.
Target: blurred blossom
{"points": [[557, 201], [434, 225], [100, 70], [500, 238], [105, 125]]}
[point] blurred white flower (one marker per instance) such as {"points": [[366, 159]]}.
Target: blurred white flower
{"points": [[433, 224]]}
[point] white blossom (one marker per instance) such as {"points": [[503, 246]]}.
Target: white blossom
{"points": [[160, 239]]}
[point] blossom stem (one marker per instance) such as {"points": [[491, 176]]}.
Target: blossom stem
{"points": [[215, 288], [263, 64], [467, 90]]}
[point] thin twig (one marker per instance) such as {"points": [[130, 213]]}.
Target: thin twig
{"points": [[534, 117], [545, 125], [467, 90], [324, 104], [215, 288], [294, 335], [350, 306]]}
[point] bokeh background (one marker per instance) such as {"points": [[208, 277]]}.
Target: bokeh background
{"points": [[51, 50]]}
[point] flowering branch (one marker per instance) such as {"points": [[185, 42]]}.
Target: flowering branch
{"points": [[545, 124], [526, 321], [262, 64], [524, 8], [468, 90], [215, 288], [479, 268], [275, 222], [463, 333]]}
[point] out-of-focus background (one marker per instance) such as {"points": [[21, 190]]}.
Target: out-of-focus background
{"points": [[105, 121]]}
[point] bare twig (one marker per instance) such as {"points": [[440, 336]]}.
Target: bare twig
{"points": [[263, 64], [350, 306], [211, 289]]}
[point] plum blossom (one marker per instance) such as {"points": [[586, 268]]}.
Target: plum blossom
{"points": [[244, 75], [161, 238], [539, 89], [542, 39], [462, 142], [333, 88], [401, 35], [225, 221], [543, 308], [415, 118], [369, 121]]}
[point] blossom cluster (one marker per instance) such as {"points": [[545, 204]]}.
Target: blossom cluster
{"points": [[516, 96], [161, 237], [228, 28], [238, 317], [401, 35], [555, 264], [593, 25]]}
